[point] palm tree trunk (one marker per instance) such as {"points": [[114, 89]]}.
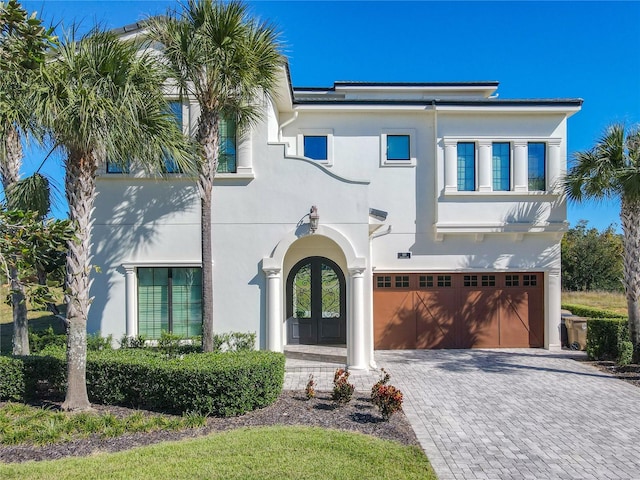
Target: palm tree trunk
{"points": [[9, 174], [630, 216], [209, 140], [80, 192]]}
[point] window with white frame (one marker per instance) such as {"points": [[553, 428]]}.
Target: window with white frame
{"points": [[316, 144], [466, 166], [397, 147], [537, 166], [501, 166]]}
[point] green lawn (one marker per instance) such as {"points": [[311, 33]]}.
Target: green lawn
{"points": [[613, 301], [256, 453]]}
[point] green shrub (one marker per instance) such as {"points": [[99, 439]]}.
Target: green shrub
{"points": [[11, 379], [45, 338], [591, 312], [625, 352], [97, 342], [605, 337], [220, 384]]}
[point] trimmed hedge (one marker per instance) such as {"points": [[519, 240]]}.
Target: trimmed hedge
{"points": [[608, 339], [11, 379], [219, 384], [591, 312]]}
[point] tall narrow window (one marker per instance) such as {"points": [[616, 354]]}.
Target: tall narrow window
{"points": [[537, 161], [501, 166], [466, 166], [175, 108], [227, 159], [315, 147], [169, 299]]}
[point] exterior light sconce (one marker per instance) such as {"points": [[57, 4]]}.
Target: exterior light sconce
{"points": [[314, 219]]}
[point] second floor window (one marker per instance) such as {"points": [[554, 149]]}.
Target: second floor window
{"points": [[315, 147], [398, 147], [466, 166], [537, 180], [500, 166], [227, 160], [175, 108]]}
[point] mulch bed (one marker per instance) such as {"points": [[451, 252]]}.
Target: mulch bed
{"points": [[291, 408], [628, 373]]}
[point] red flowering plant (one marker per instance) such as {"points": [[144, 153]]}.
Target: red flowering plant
{"points": [[386, 397], [342, 389], [310, 389]]}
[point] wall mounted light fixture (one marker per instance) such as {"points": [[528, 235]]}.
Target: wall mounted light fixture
{"points": [[314, 219]]}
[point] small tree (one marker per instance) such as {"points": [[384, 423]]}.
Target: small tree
{"points": [[227, 62], [24, 42], [611, 169], [591, 259], [104, 100]]}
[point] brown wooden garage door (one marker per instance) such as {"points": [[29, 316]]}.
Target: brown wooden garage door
{"points": [[458, 310]]}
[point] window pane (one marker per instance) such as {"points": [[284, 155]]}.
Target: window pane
{"points": [[315, 147], [227, 159], [117, 168], [186, 301], [537, 166], [302, 292], [330, 292], [466, 166], [501, 163], [175, 108], [153, 301], [398, 147]]}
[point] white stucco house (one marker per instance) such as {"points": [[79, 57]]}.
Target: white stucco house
{"points": [[437, 224]]}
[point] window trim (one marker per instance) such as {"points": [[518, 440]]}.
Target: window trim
{"points": [[316, 132], [409, 132]]}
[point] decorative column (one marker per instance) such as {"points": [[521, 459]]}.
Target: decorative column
{"points": [[244, 156], [130, 300], [484, 166], [553, 315], [356, 348], [450, 165], [274, 309], [520, 166], [554, 167]]}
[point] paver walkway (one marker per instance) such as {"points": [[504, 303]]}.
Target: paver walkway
{"points": [[512, 414]]}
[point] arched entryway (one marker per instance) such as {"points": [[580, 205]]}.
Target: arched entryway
{"points": [[316, 303]]}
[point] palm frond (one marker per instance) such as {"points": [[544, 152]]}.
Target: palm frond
{"points": [[32, 193]]}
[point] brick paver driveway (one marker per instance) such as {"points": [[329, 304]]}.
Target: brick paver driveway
{"points": [[518, 414]]}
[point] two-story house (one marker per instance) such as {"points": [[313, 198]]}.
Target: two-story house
{"points": [[380, 215]]}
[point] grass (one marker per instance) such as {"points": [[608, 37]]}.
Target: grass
{"points": [[23, 424], [250, 453], [613, 301]]}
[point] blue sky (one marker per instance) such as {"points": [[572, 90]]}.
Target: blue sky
{"points": [[589, 50]]}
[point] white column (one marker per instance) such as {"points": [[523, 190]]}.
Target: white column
{"points": [[450, 165], [244, 155], [553, 316], [554, 168], [274, 309], [130, 300], [356, 341], [484, 166], [520, 166]]}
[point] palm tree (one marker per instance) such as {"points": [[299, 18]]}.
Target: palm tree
{"points": [[611, 169], [23, 44], [104, 100], [228, 62]]}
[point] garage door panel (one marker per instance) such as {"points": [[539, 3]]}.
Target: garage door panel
{"points": [[479, 325], [435, 314], [395, 320], [514, 320]]}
